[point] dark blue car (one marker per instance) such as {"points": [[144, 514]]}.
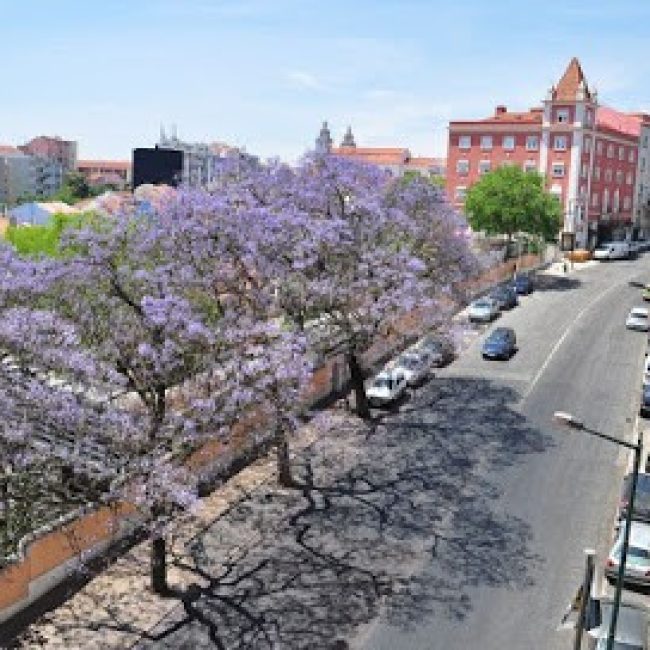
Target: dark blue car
{"points": [[500, 344], [644, 410], [523, 285]]}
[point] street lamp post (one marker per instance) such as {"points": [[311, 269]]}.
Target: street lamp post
{"points": [[568, 420]]}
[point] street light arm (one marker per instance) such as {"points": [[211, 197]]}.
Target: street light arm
{"points": [[568, 420]]}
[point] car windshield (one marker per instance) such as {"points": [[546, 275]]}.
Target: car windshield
{"points": [[382, 382], [637, 553], [483, 304], [603, 247], [637, 313]]}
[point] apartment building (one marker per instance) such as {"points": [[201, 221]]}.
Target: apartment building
{"points": [[589, 154], [116, 173]]}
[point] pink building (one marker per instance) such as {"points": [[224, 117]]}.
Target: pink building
{"points": [[588, 153], [106, 172]]}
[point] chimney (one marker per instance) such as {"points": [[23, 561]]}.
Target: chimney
{"points": [[500, 110]]}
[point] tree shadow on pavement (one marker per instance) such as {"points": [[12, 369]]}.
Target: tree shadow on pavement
{"points": [[365, 530], [545, 282], [397, 518]]}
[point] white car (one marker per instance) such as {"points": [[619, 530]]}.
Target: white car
{"points": [[386, 387], [637, 565], [646, 372], [612, 250], [638, 319], [483, 310], [415, 366]]}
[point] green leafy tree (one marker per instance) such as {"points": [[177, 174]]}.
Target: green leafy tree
{"points": [[34, 241], [510, 200]]}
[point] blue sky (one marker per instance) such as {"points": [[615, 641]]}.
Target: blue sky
{"points": [[264, 74]]}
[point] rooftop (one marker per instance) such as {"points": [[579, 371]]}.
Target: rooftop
{"points": [[613, 120]]}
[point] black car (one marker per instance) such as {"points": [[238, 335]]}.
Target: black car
{"points": [[505, 297], [644, 410], [523, 285], [641, 510], [500, 344]]}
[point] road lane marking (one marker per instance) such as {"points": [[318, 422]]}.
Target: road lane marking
{"points": [[564, 336]]}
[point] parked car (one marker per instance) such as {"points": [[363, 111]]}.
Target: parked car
{"points": [[505, 297], [631, 625], [414, 366], [500, 344], [613, 250], [644, 409], [440, 348], [637, 319], [388, 386], [483, 310], [645, 292], [641, 511], [645, 381], [637, 565], [523, 285]]}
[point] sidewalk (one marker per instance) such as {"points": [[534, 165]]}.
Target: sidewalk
{"points": [[116, 608]]}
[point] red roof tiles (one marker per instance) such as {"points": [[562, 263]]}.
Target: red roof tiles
{"points": [[625, 123], [571, 82]]}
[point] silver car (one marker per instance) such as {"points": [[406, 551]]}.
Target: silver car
{"points": [[637, 319], [483, 310], [637, 564], [415, 366]]}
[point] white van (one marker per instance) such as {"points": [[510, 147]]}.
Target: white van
{"points": [[613, 250]]}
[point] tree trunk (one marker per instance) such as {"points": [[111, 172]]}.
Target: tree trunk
{"points": [[285, 477], [159, 566], [356, 379]]}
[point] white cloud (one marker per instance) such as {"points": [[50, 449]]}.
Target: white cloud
{"points": [[303, 79]]}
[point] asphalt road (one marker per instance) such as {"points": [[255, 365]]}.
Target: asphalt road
{"points": [[574, 355]]}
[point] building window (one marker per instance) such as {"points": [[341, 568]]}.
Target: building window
{"points": [[484, 166], [587, 145], [610, 150], [465, 142], [642, 164], [596, 173], [630, 157], [486, 142], [621, 153], [594, 199], [559, 143], [599, 147], [608, 175], [615, 202], [562, 115], [462, 167], [558, 170], [588, 117], [605, 200], [583, 170], [619, 176], [628, 178], [626, 203], [583, 191], [645, 141], [530, 166], [508, 142], [461, 192], [532, 143]]}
